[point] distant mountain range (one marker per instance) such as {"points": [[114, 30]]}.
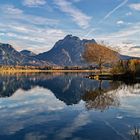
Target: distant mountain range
{"points": [[66, 52], [9, 56]]}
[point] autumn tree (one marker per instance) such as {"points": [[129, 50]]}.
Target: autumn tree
{"points": [[132, 66], [100, 55]]}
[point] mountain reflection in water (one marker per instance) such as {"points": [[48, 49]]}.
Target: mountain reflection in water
{"points": [[70, 89], [34, 106]]}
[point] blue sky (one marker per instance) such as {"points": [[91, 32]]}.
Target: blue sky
{"points": [[37, 24]]}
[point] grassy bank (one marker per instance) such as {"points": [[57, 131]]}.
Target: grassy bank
{"points": [[38, 70]]}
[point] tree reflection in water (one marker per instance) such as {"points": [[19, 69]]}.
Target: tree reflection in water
{"points": [[101, 98]]}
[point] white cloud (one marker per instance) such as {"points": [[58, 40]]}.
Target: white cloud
{"points": [[77, 15], [12, 13], [120, 22], [2, 34], [129, 14], [132, 31], [135, 6], [34, 3], [26, 31], [10, 9], [31, 37], [128, 34]]}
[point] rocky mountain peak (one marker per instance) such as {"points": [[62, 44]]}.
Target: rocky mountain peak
{"points": [[71, 37]]}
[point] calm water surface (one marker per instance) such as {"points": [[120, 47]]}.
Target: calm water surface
{"points": [[68, 107]]}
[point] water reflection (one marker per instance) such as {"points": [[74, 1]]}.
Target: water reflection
{"points": [[135, 133], [100, 98], [70, 89], [37, 105]]}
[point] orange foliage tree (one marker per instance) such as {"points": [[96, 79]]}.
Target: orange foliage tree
{"points": [[100, 54]]}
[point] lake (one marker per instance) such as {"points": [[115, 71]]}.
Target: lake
{"points": [[60, 106]]}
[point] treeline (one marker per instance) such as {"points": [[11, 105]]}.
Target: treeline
{"points": [[15, 67], [127, 67], [8, 67]]}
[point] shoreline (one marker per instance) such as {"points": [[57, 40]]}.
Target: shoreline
{"points": [[47, 71], [93, 74]]}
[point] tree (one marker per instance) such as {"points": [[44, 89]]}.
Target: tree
{"points": [[100, 54], [129, 67], [120, 67], [132, 66]]}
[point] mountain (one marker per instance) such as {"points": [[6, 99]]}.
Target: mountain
{"points": [[66, 52], [126, 57], [27, 53], [9, 56]]}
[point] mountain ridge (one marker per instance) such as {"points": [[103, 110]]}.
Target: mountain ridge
{"points": [[66, 52]]}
